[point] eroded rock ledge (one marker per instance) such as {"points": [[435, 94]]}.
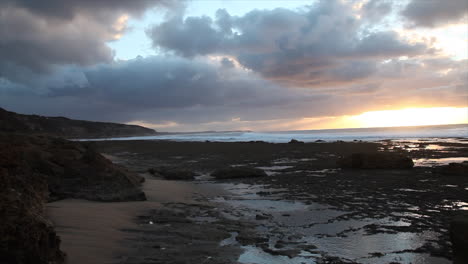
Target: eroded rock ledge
{"points": [[38, 169]]}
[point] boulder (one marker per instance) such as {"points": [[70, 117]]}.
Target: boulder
{"points": [[238, 172], [26, 235], [71, 169], [456, 169], [378, 160], [459, 238], [295, 141], [169, 173]]}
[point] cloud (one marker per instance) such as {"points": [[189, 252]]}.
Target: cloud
{"points": [[300, 47], [252, 71], [191, 94], [36, 36], [68, 9], [435, 12]]}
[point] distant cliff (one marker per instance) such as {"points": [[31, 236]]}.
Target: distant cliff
{"points": [[65, 127]]}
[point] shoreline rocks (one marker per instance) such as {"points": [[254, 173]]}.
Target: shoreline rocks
{"points": [[172, 173], [453, 169], [37, 169], [459, 238], [378, 160]]}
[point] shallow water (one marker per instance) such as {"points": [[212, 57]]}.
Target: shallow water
{"points": [[438, 162], [317, 224], [255, 255]]}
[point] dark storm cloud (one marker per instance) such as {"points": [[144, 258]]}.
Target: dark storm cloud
{"points": [[153, 83], [432, 13], [67, 9], [288, 45], [36, 36], [185, 91]]}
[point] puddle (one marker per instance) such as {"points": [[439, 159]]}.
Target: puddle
{"points": [[204, 177], [456, 205], [438, 162], [230, 240], [275, 168], [410, 190], [247, 191], [359, 245], [407, 257], [254, 255], [320, 225], [243, 165], [272, 170], [325, 171], [288, 161]]}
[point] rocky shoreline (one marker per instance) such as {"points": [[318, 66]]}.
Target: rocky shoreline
{"points": [[305, 205], [246, 202]]}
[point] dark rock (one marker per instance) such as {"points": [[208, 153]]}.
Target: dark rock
{"points": [[169, 173], [378, 160], [319, 141], [238, 172], [459, 238], [37, 169], [295, 141], [251, 238], [262, 217], [456, 169], [26, 236], [71, 169]]}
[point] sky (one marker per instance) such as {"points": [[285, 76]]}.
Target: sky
{"points": [[237, 65]]}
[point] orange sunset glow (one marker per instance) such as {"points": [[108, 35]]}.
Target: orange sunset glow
{"points": [[412, 117]]}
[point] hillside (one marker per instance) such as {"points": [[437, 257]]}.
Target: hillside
{"points": [[65, 127]]}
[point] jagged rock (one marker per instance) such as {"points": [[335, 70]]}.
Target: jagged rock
{"points": [[238, 172], [26, 236], [295, 141], [457, 169], [378, 160], [37, 169], [72, 169], [173, 173], [459, 238]]}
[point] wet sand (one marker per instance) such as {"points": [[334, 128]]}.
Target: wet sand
{"points": [[306, 211], [93, 232]]}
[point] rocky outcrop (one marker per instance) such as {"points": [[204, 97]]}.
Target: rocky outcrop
{"points": [[68, 128], [453, 169], [238, 172], [295, 141], [378, 160], [172, 173], [26, 235], [71, 169], [38, 169], [459, 238]]}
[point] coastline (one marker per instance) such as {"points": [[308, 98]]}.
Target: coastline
{"points": [[305, 188]]}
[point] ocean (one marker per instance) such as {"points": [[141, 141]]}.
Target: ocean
{"points": [[436, 133]]}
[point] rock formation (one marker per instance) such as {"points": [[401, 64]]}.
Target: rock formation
{"points": [[377, 160]]}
